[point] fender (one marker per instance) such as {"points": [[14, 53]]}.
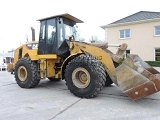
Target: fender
{"points": [[67, 60], [100, 55]]}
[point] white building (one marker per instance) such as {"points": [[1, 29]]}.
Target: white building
{"points": [[141, 31]]}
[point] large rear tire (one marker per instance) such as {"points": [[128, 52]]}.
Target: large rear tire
{"points": [[85, 76], [26, 73]]}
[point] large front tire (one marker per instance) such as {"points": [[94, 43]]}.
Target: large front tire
{"points": [[85, 76], [26, 73]]}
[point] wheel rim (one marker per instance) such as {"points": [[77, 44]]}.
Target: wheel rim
{"points": [[22, 73], [81, 77]]}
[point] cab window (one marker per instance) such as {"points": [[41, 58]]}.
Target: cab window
{"points": [[51, 30]]}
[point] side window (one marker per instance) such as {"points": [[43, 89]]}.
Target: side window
{"points": [[157, 54], [124, 34], [60, 32], [157, 31], [42, 31], [128, 52], [51, 30], [68, 30]]}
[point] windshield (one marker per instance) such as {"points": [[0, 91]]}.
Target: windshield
{"points": [[69, 31]]}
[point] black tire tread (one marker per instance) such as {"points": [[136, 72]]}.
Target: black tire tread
{"points": [[98, 70], [34, 70]]}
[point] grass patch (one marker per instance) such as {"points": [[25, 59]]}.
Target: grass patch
{"points": [[153, 63]]}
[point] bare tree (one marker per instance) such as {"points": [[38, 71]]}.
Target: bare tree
{"points": [[26, 39], [93, 39], [82, 39]]}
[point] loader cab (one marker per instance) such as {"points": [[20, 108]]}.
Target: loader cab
{"points": [[54, 31]]}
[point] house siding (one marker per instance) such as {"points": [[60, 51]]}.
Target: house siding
{"points": [[142, 40]]}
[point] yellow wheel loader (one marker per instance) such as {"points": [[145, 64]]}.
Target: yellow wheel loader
{"points": [[86, 67]]}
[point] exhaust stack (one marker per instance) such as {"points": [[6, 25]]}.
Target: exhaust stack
{"points": [[33, 34]]}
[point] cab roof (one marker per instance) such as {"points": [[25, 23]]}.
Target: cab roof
{"points": [[66, 15]]}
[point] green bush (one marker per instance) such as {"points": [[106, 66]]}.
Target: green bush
{"points": [[153, 63]]}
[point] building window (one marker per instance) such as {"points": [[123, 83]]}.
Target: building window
{"points": [[157, 54], [157, 30], [124, 33], [127, 52]]}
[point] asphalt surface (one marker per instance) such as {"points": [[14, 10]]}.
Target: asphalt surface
{"points": [[52, 101]]}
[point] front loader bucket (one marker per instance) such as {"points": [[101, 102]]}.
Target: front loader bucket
{"points": [[136, 78]]}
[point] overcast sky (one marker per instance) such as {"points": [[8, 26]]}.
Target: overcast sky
{"points": [[17, 16]]}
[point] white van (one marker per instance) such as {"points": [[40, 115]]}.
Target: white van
{"points": [[3, 65]]}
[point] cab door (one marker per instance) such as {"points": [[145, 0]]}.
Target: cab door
{"points": [[48, 37], [51, 37], [42, 40]]}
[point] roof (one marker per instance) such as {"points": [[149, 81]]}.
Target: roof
{"points": [[66, 15], [137, 17]]}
